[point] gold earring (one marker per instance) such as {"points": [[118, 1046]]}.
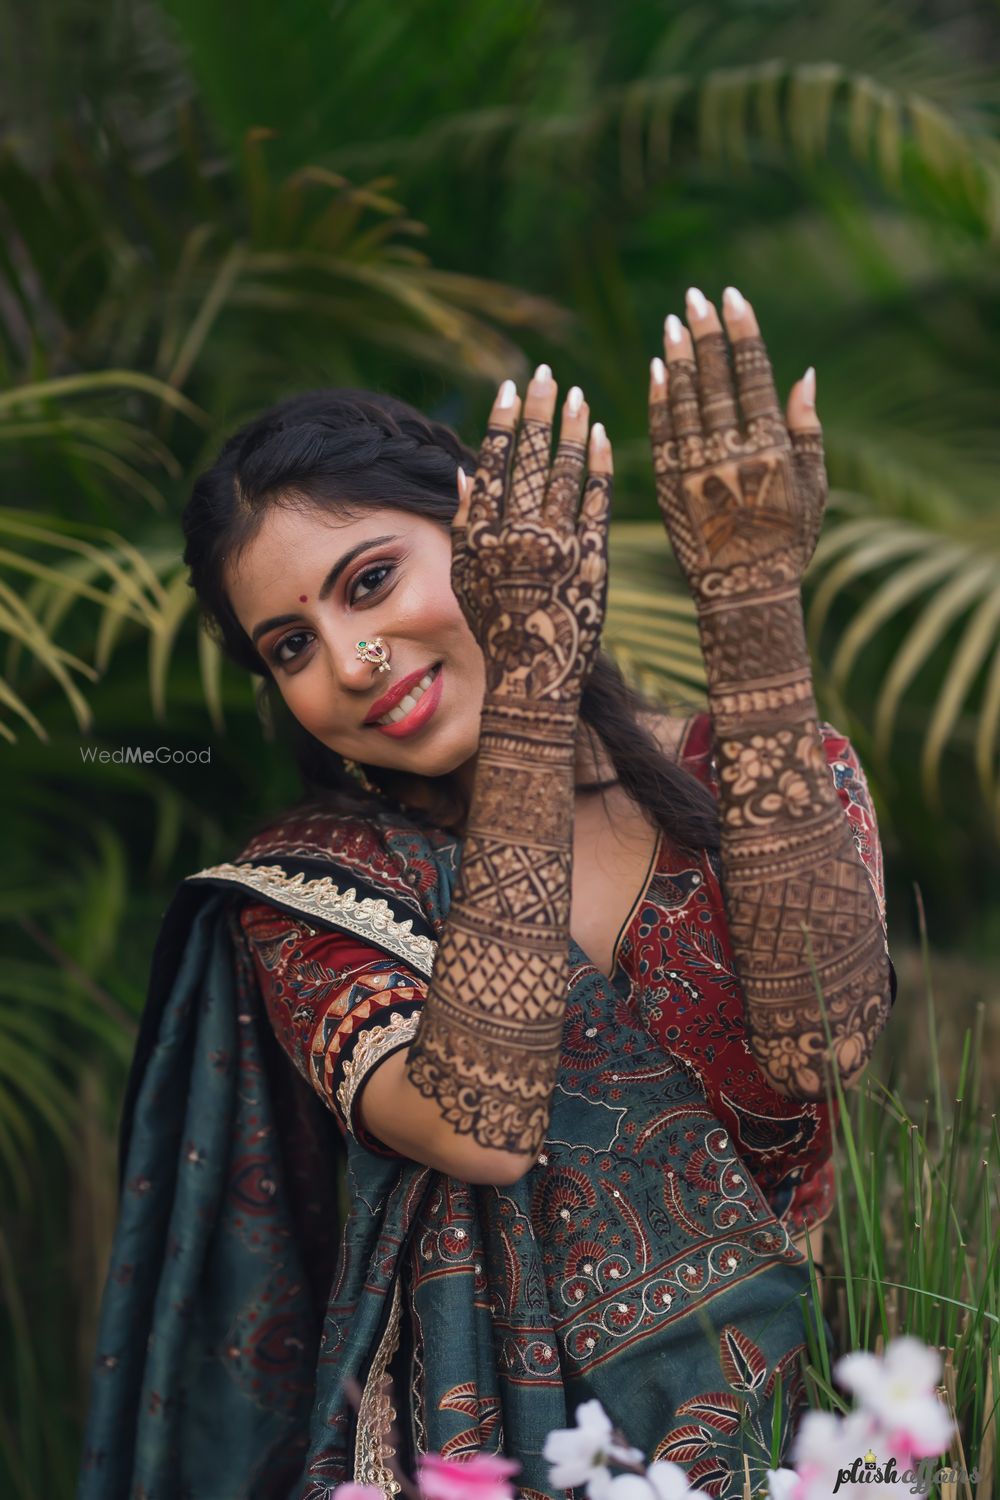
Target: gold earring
{"points": [[358, 772]]}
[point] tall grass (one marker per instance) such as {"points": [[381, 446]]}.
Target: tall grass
{"points": [[914, 1245]]}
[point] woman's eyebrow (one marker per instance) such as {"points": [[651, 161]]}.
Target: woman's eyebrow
{"points": [[328, 584]]}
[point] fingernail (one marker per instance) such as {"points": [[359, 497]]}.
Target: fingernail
{"points": [[658, 370], [574, 400], [675, 328], [697, 302], [598, 434], [543, 375], [735, 301], [809, 386], [507, 393]]}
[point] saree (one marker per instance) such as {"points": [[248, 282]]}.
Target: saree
{"points": [[639, 1261]]}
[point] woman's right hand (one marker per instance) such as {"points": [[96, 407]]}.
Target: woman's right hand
{"points": [[529, 560]]}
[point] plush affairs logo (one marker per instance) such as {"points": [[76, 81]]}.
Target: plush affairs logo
{"points": [[868, 1470]]}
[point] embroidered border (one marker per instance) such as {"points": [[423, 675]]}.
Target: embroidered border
{"points": [[368, 917], [376, 1413], [371, 1046]]}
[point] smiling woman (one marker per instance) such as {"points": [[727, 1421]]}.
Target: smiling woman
{"points": [[509, 1005]]}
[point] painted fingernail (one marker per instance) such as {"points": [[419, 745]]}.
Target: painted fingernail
{"points": [[696, 302], [735, 301], [507, 393], [574, 400], [598, 435], [658, 370], [675, 328], [543, 375], [809, 386]]}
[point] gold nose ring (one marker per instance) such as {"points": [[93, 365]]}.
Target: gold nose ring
{"points": [[374, 651]]}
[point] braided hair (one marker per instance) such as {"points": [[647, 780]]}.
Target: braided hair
{"points": [[345, 451]]}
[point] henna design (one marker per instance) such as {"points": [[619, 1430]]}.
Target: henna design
{"points": [[742, 500], [789, 863], [532, 580]]}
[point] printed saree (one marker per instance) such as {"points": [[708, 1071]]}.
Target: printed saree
{"points": [[639, 1261]]}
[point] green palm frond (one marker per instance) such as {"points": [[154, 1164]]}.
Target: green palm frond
{"points": [[931, 592], [778, 108], [650, 624]]}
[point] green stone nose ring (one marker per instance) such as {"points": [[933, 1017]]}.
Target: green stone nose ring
{"points": [[374, 651]]}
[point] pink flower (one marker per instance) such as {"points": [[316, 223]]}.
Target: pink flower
{"points": [[358, 1492], [484, 1476], [897, 1388]]}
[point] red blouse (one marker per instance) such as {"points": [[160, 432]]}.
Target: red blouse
{"points": [[323, 989]]}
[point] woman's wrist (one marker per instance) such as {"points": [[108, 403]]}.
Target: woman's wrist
{"points": [[757, 663]]}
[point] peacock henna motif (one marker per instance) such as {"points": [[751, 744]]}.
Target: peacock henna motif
{"points": [[742, 499], [531, 576]]}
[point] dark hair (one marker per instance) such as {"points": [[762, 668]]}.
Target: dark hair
{"points": [[345, 450]]}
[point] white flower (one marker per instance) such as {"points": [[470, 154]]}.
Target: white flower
{"points": [[578, 1455], [825, 1447], [782, 1484], [670, 1482], [629, 1487], [897, 1389]]}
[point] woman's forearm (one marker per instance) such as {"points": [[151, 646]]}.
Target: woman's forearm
{"points": [[487, 1046], [789, 863]]}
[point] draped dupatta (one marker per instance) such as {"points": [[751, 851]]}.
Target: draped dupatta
{"points": [[638, 1262]]}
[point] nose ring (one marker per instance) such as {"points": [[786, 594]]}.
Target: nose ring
{"points": [[374, 651]]}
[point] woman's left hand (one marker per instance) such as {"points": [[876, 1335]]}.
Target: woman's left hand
{"points": [[741, 486]]}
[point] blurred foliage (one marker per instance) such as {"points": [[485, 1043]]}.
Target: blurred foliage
{"points": [[202, 210]]}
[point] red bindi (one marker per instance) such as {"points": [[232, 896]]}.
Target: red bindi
{"points": [[303, 598]]}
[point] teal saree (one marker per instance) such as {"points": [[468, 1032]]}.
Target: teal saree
{"points": [[638, 1262]]}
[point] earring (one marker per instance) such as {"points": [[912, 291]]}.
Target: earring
{"points": [[358, 772]]}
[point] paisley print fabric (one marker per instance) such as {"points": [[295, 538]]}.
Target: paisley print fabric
{"points": [[645, 1260]]}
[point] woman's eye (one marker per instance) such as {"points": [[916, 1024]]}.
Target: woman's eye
{"points": [[369, 573], [277, 653]]}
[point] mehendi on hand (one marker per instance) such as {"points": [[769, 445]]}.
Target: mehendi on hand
{"points": [[742, 492]]}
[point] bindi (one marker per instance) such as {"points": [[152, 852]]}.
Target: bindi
{"points": [[303, 598]]}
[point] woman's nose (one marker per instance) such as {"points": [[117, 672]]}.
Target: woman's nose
{"points": [[356, 674]]}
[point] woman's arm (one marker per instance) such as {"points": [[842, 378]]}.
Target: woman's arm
{"points": [[742, 496], [532, 580]]}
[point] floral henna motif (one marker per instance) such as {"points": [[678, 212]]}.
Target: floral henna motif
{"points": [[742, 499], [795, 887], [532, 580]]}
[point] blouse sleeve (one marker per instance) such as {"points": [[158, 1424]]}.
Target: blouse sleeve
{"points": [[852, 789], [338, 1007]]}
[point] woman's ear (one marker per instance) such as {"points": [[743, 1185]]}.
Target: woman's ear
{"points": [[464, 484]]}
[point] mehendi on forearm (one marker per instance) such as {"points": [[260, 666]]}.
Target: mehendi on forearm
{"points": [[488, 1044], [789, 861], [532, 580], [742, 496]]}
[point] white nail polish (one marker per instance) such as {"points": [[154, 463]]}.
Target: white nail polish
{"points": [[543, 375], [675, 328], [735, 301], [598, 434], [507, 393], [658, 370], [697, 302], [809, 386], [574, 400]]}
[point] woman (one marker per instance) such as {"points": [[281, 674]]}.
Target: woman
{"points": [[571, 1044]]}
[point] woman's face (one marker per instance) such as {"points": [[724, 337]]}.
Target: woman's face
{"points": [[311, 585]]}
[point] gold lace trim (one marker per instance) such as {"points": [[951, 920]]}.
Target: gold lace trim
{"points": [[369, 917], [371, 1046], [376, 1413]]}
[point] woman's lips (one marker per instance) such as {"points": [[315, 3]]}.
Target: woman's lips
{"points": [[419, 714]]}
